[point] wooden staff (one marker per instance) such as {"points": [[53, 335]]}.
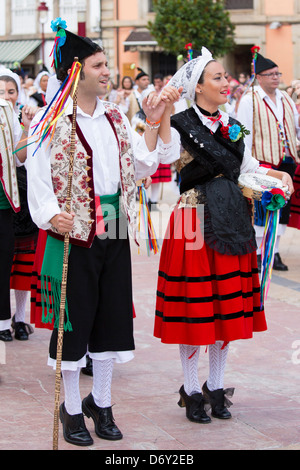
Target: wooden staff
{"points": [[60, 334]]}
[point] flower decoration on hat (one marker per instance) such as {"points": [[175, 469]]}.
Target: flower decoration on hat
{"points": [[189, 48], [59, 26]]}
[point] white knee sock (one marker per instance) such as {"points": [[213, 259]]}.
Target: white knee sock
{"points": [[217, 363], [72, 392], [21, 299], [189, 356], [102, 378]]}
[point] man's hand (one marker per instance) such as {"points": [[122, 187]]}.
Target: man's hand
{"points": [[63, 222]]}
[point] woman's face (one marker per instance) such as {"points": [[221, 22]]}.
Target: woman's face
{"points": [[8, 91], [44, 82], [213, 91], [127, 84]]}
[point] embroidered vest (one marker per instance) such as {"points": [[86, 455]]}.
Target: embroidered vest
{"points": [[268, 141], [8, 173], [83, 196]]}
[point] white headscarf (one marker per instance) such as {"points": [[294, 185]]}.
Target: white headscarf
{"points": [[188, 75], [15, 76]]}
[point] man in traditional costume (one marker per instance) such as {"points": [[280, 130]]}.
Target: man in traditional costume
{"points": [[273, 121], [11, 137], [109, 158]]}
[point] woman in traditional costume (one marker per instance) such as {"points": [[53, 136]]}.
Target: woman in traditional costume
{"points": [[25, 230], [208, 286]]}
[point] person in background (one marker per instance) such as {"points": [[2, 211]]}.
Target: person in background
{"points": [[273, 122]]}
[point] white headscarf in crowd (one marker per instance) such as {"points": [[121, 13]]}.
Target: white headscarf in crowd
{"points": [[15, 76], [188, 75]]}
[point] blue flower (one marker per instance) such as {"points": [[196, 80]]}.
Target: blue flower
{"points": [[234, 132], [58, 23]]}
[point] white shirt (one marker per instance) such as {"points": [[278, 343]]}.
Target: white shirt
{"points": [[245, 112], [100, 136]]}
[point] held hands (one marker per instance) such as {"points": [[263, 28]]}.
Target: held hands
{"points": [[155, 105], [63, 222]]}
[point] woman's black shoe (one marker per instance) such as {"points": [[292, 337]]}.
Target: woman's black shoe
{"points": [[194, 406], [5, 335], [218, 401], [74, 429], [103, 419]]}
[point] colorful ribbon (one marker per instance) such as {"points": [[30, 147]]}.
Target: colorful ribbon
{"points": [[144, 216]]}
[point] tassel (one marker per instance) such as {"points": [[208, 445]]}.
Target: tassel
{"points": [[144, 215]]}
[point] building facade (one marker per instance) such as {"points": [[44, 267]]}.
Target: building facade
{"points": [[273, 25], [121, 26], [26, 36]]}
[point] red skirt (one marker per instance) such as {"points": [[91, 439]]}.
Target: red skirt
{"points": [[35, 299], [20, 278], [202, 295], [162, 174]]}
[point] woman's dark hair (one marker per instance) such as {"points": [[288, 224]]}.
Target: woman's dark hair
{"points": [[201, 79]]}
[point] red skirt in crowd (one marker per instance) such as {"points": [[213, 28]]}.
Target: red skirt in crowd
{"points": [[36, 299], [202, 295], [162, 174], [20, 278]]}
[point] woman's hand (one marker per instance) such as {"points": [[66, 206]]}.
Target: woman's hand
{"points": [[285, 179]]}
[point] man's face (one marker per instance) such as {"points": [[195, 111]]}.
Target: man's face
{"points": [[96, 75], [143, 82], [269, 79]]}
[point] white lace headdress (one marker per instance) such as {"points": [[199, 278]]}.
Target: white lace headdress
{"points": [[188, 75]]}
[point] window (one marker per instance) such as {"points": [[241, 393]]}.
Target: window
{"points": [[239, 4]]}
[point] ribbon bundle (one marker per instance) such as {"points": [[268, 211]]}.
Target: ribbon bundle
{"points": [[144, 215], [272, 201], [51, 115]]}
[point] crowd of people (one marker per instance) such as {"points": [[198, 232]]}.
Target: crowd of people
{"points": [[208, 295]]}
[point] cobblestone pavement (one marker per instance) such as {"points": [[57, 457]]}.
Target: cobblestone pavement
{"points": [[264, 371]]}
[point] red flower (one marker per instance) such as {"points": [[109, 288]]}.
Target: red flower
{"points": [[225, 132], [255, 49], [188, 46]]}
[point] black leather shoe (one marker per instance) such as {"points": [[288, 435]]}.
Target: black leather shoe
{"points": [[278, 265], [74, 429], [5, 335], [194, 406], [216, 399], [103, 419], [20, 331]]}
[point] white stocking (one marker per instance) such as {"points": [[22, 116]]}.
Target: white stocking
{"points": [[189, 356], [217, 363], [102, 378], [21, 299], [72, 392]]}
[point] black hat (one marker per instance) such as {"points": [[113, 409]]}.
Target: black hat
{"points": [[141, 74], [68, 45], [263, 64]]}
